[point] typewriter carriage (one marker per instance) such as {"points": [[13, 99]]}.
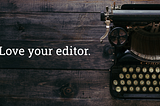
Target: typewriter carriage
{"points": [[137, 20]]}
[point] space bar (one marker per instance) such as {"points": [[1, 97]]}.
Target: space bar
{"points": [[142, 95]]}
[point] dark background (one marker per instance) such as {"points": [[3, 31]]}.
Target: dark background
{"points": [[57, 80]]}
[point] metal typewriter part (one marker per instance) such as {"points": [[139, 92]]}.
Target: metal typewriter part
{"points": [[133, 30]]}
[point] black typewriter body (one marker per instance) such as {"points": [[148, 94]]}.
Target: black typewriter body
{"points": [[133, 79], [133, 30]]}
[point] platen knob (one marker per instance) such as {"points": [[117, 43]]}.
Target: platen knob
{"points": [[118, 36]]}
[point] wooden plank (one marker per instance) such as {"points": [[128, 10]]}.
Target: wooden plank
{"points": [[43, 87], [48, 83], [94, 58], [51, 26], [64, 5], [75, 102]]}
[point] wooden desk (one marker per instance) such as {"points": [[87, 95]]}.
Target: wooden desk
{"points": [[48, 80]]}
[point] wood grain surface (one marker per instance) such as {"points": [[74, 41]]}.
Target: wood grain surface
{"points": [[64, 5], [51, 26], [57, 80]]}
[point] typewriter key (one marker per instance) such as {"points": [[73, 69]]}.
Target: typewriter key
{"points": [[124, 69], [138, 69], [144, 89], [137, 89], [159, 76], [134, 76], [125, 88], [131, 69], [141, 82], [157, 89], [131, 89], [154, 82], [148, 82], [140, 76], [135, 82], [122, 82], [150, 89], [121, 76], [147, 76], [118, 89], [127, 76], [157, 70], [129, 82], [151, 69], [153, 76], [115, 82], [144, 69]]}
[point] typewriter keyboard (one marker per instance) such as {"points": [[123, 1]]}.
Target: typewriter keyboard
{"points": [[135, 81]]}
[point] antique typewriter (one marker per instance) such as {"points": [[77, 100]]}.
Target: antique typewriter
{"points": [[133, 30]]}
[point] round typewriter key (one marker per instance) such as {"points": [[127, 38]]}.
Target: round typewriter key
{"points": [[150, 89], [127, 76], [153, 76], [159, 76], [131, 69], [134, 76], [121, 76], [138, 69], [137, 89], [129, 82], [157, 70], [148, 82], [151, 69], [125, 88], [141, 82], [118, 89], [144, 89], [144, 69], [135, 82], [154, 82], [124, 69], [140, 76], [131, 89], [122, 82], [147, 76], [157, 89], [115, 82]]}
